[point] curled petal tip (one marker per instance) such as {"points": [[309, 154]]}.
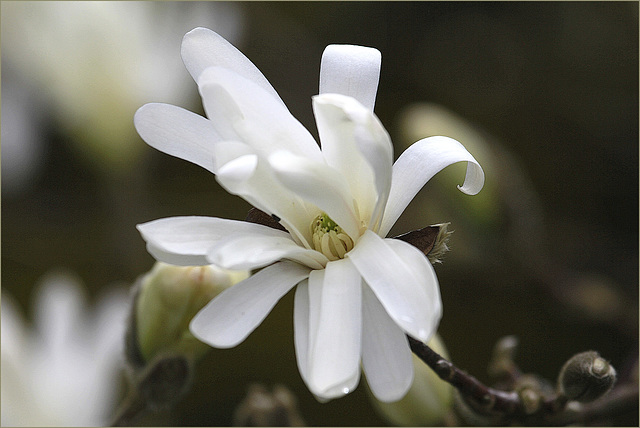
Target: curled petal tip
{"points": [[474, 180]]}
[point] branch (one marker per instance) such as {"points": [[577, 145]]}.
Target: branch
{"points": [[131, 408], [487, 399], [620, 400]]}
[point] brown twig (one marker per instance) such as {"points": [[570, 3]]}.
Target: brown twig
{"points": [[550, 409], [620, 400], [131, 408], [486, 399]]}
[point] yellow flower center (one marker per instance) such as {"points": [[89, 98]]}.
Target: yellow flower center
{"points": [[329, 238]]}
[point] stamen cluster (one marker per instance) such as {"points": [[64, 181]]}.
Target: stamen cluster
{"points": [[329, 238]]}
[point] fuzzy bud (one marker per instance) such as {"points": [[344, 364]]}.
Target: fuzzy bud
{"points": [[586, 377], [264, 408], [431, 240], [165, 301]]}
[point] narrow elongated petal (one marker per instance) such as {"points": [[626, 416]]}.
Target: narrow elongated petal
{"points": [[386, 357], [243, 111], [229, 318], [187, 240], [351, 70], [319, 184], [301, 328], [252, 178], [421, 161], [59, 312], [355, 143], [178, 259], [245, 252], [334, 347], [403, 280], [178, 132], [203, 48]]}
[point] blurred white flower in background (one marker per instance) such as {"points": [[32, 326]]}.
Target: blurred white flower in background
{"points": [[93, 64], [64, 369], [22, 148]]}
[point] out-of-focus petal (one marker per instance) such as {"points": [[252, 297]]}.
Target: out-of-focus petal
{"points": [[186, 240], [403, 280], [351, 70], [203, 48], [229, 318], [386, 357], [243, 111], [13, 334], [178, 132], [355, 143], [318, 183], [334, 342], [243, 251], [421, 161], [59, 313]]}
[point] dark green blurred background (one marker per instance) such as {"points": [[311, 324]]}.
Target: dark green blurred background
{"points": [[549, 253]]}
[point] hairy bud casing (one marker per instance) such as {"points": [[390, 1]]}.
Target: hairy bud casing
{"points": [[586, 377]]}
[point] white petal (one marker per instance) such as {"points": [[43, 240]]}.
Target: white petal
{"points": [[402, 278], [334, 342], [245, 252], [228, 151], [421, 161], [178, 132], [252, 178], [243, 111], [186, 240], [230, 317], [319, 184], [13, 334], [301, 328], [110, 319], [386, 356], [203, 48], [351, 70], [59, 314], [355, 143]]}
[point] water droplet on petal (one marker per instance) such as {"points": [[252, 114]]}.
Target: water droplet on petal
{"points": [[424, 335]]}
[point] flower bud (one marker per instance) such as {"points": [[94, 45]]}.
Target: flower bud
{"points": [[166, 300], [429, 399], [165, 380], [264, 408], [586, 377], [440, 246], [431, 240]]}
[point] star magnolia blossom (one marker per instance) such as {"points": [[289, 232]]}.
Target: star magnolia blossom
{"points": [[63, 369], [357, 293]]}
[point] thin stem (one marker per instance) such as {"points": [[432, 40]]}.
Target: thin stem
{"points": [[132, 407], [485, 398], [620, 400]]}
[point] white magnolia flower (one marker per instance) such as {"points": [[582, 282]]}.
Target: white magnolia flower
{"points": [[64, 370], [358, 293]]}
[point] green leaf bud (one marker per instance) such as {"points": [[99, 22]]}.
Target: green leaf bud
{"points": [[166, 300]]}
